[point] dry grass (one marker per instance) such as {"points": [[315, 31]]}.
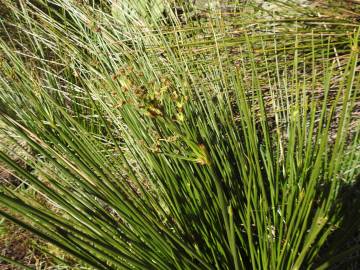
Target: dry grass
{"points": [[20, 245]]}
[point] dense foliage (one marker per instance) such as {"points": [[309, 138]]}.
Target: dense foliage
{"points": [[215, 138]]}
